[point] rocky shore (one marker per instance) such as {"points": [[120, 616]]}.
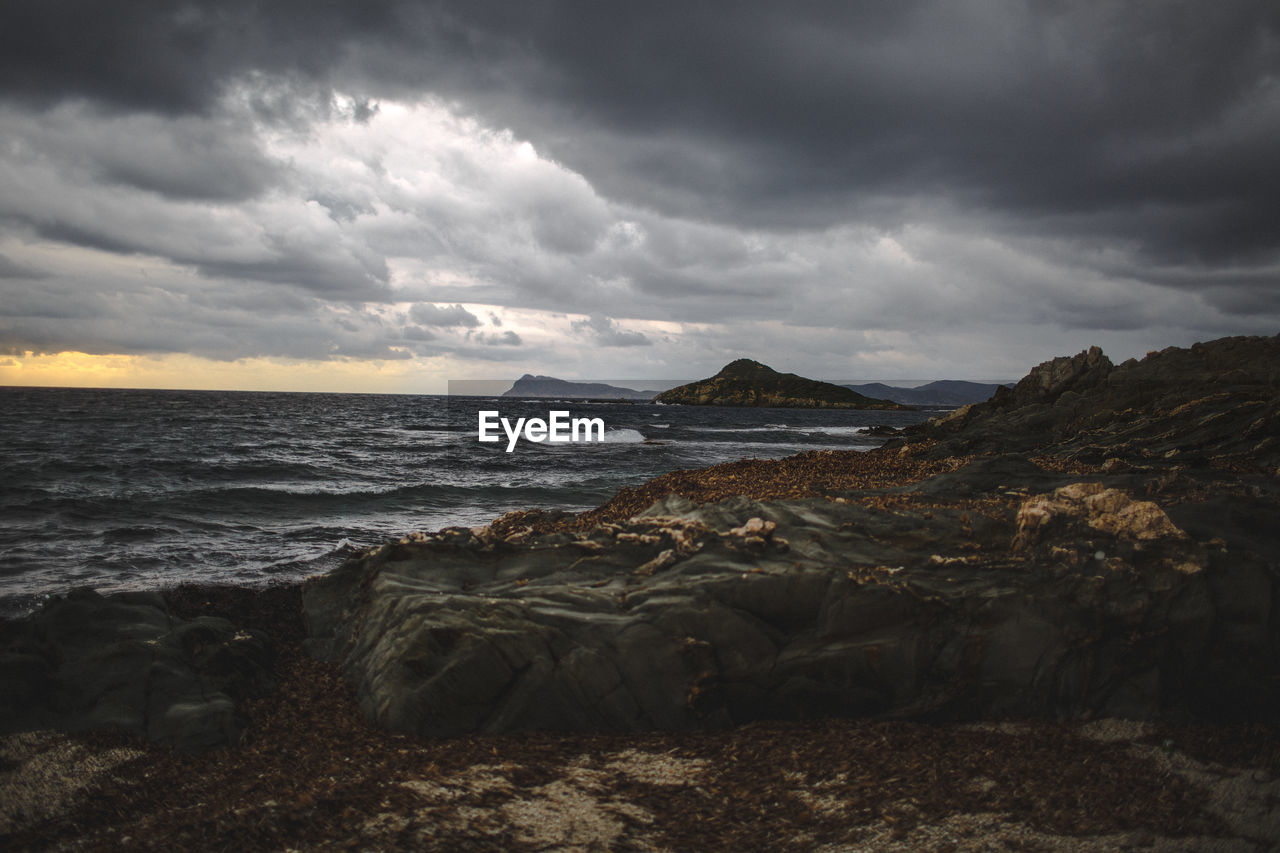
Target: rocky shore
{"points": [[1048, 621]]}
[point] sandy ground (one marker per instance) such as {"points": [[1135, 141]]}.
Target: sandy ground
{"points": [[823, 786]]}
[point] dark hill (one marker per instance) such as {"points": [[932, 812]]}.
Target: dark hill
{"points": [[749, 383], [944, 392], [549, 386]]}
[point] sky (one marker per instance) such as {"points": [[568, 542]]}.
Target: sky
{"points": [[385, 195]]}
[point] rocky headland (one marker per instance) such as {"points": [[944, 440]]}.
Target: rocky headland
{"points": [[749, 383], [530, 386], [944, 392], [837, 648]]}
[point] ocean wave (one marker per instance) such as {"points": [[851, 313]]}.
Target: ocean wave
{"points": [[304, 565], [242, 487], [765, 428], [623, 436], [136, 533], [798, 429], [534, 487], [835, 430]]}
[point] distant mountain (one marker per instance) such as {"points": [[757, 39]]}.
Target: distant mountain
{"points": [[944, 392], [749, 383], [548, 386]]}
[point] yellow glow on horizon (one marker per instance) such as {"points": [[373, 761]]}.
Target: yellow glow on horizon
{"points": [[179, 371]]}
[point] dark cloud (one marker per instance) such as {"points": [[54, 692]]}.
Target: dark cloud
{"points": [[789, 115], [506, 339], [345, 278], [606, 332], [92, 238], [292, 257], [1079, 165], [168, 57], [476, 340], [774, 115], [418, 334], [223, 325], [429, 314], [341, 209], [183, 159], [1116, 116], [12, 269], [25, 303]]}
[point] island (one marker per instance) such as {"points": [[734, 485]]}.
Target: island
{"points": [[749, 383], [549, 386]]}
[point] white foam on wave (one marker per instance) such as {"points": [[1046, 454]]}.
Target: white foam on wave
{"points": [[836, 430], [623, 436], [611, 436], [767, 428]]}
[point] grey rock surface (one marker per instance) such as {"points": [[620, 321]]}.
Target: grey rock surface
{"points": [[1076, 602], [87, 661]]}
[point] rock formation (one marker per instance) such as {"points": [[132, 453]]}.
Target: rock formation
{"points": [[1079, 602], [1107, 548], [1213, 403], [87, 661], [749, 383]]}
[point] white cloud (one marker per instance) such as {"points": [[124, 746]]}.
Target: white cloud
{"points": [[429, 314], [605, 331], [351, 230]]}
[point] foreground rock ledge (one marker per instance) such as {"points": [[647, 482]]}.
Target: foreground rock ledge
{"points": [[1077, 602], [126, 661]]}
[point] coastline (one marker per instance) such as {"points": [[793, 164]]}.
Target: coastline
{"points": [[136, 490], [311, 771]]}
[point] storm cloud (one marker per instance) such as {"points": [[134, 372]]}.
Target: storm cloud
{"points": [[844, 189]]}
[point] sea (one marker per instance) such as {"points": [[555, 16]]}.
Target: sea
{"points": [[142, 489]]}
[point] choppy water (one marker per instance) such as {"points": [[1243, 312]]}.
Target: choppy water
{"points": [[122, 489]]}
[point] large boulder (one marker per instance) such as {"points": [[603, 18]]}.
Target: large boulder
{"points": [[87, 661], [1079, 601]]}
